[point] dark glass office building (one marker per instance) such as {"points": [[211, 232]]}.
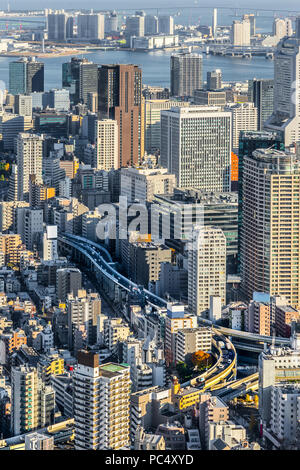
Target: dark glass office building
{"points": [[26, 76], [261, 92]]}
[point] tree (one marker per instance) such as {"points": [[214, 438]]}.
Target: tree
{"points": [[201, 359]]}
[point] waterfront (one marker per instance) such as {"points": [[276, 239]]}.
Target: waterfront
{"points": [[155, 66]]}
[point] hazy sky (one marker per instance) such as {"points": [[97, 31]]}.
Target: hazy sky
{"points": [[101, 4]]}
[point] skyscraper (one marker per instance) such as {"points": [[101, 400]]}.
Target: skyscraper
{"points": [[186, 74], [57, 26], [206, 267], [90, 26], [240, 33], [166, 24], [29, 161], [286, 114], [101, 404], [151, 24], [107, 140], [244, 118], [196, 146], [270, 239], [80, 77], [26, 76], [261, 92], [119, 98], [214, 22], [214, 80]]}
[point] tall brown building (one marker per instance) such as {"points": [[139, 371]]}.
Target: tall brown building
{"points": [[120, 98]]}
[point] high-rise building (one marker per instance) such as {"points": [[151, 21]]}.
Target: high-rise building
{"points": [[11, 125], [261, 92], [111, 23], [240, 33], [151, 25], [68, 281], [23, 105], [258, 318], [120, 98], [90, 26], [135, 26], [282, 27], [214, 22], [244, 118], [101, 411], [269, 259], [214, 80], [207, 268], [186, 74], [252, 19], [57, 26], [50, 252], [196, 146], [29, 160], [106, 150], [88, 80], [165, 24], [26, 76], [32, 402], [139, 184], [176, 320], [82, 310], [286, 113]]}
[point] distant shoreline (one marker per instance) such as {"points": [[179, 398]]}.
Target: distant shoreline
{"points": [[42, 55]]}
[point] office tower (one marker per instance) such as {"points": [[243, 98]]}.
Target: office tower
{"points": [[214, 22], [261, 92], [70, 78], [210, 98], [59, 99], [34, 76], [37, 441], [286, 114], [165, 24], [152, 120], [68, 281], [57, 26], [206, 268], [214, 80], [92, 102], [83, 311], [111, 23], [186, 74], [240, 33], [244, 118], [101, 411], [282, 28], [151, 25], [138, 184], [270, 225], [90, 27], [248, 142], [32, 402], [119, 98], [50, 252], [10, 126], [23, 105], [26, 76], [88, 80], [107, 139], [29, 161], [202, 158]]}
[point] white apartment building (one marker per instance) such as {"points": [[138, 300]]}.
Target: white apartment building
{"points": [[50, 243], [90, 26], [190, 340], [206, 267], [241, 33], [29, 161], [101, 404], [285, 413], [107, 145], [282, 27], [196, 146]]}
